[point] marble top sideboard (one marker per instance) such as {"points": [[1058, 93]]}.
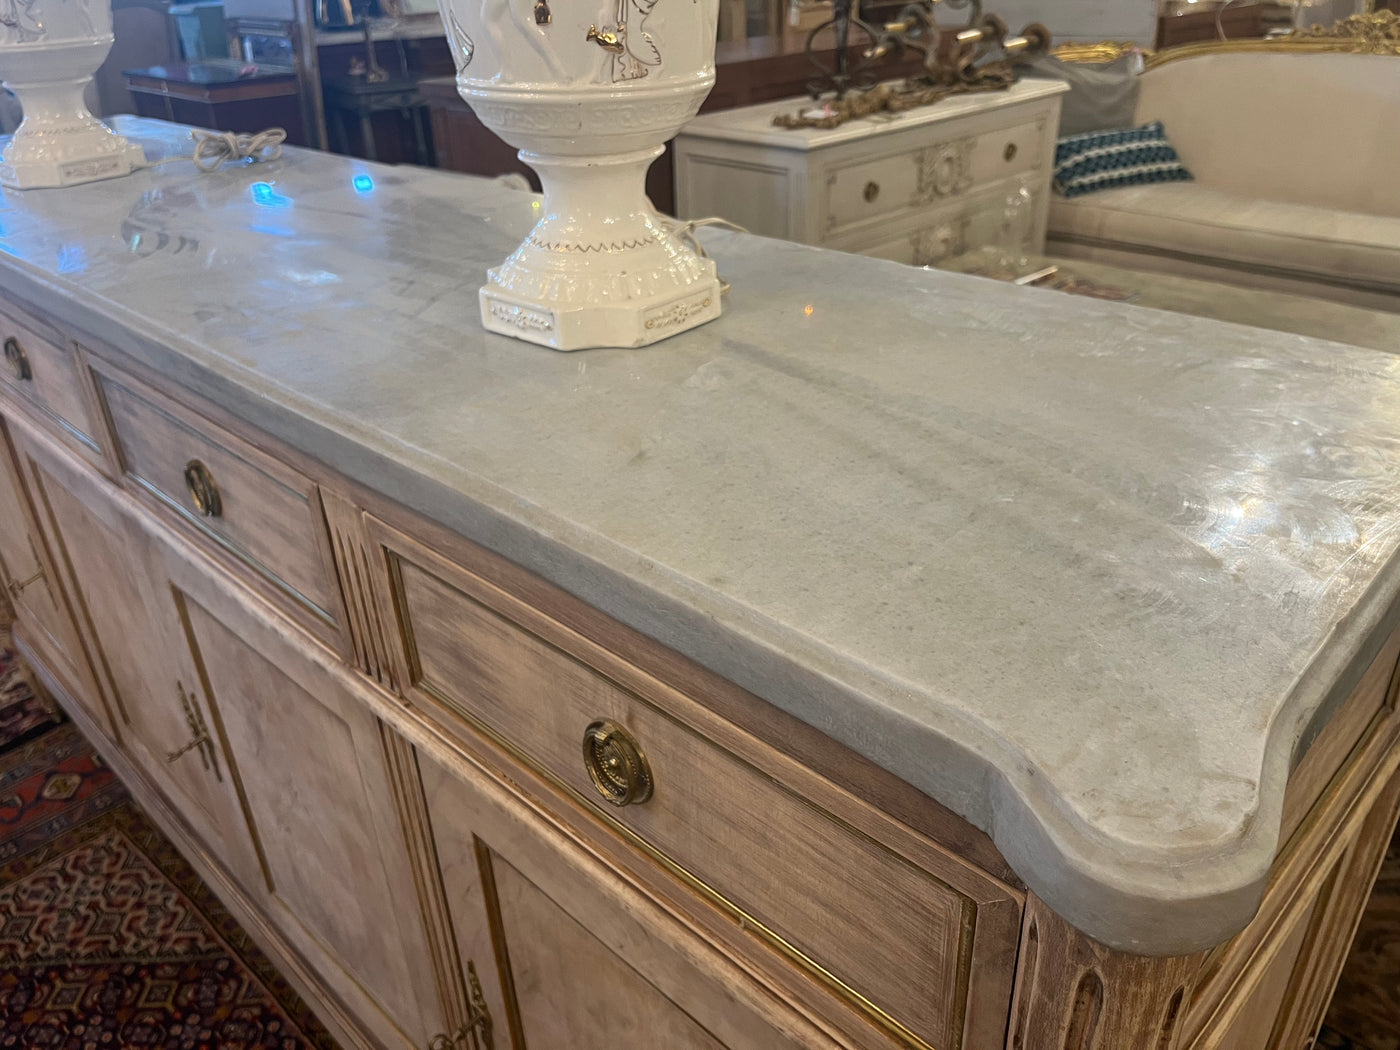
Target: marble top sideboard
{"points": [[1085, 574]]}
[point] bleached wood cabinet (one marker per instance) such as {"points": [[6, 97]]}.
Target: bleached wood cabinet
{"points": [[115, 577], [32, 588], [453, 801]]}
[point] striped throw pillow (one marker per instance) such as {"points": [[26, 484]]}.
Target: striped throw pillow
{"points": [[1098, 160]]}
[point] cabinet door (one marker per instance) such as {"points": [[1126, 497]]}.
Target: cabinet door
{"points": [[31, 584], [114, 572], [583, 960], [336, 880]]}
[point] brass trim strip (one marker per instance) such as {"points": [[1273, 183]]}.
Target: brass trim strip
{"points": [[491, 901]]}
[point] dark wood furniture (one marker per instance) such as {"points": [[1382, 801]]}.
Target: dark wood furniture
{"points": [[760, 69], [144, 36], [223, 94], [1239, 22], [352, 102]]}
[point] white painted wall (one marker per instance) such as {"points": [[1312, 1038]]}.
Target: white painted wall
{"points": [[1067, 20]]}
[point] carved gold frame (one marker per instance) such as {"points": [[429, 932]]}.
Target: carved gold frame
{"points": [[1376, 33]]}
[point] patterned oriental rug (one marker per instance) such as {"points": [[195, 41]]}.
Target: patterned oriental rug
{"points": [[24, 711], [108, 939]]}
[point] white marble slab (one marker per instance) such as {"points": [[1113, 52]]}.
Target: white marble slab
{"points": [[1082, 572]]}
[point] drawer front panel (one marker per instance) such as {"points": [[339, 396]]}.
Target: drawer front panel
{"points": [[923, 176], [260, 510], [938, 235], [40, 366], [887, 929], [1002, 153]]}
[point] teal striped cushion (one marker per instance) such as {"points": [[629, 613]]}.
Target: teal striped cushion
{"points": [[1098, 160]]}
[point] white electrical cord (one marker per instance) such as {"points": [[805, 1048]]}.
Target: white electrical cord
{"points": [[1220, 19], [212, 149], [686, 232]]}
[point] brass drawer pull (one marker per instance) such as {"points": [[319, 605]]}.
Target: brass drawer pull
{"points": [[18, 360], [16, 587], [616, 764], [203, 491], [475, 1032], [1010, 152], [200, 741], [871, 191]]}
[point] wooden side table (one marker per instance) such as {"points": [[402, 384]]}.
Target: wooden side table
{"points": [[220, 93], [355, 100]]}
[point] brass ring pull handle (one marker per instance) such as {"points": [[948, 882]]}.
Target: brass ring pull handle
{"points": [[615, 764], [172, 757], [18, 360], [203, 491], [475, 1032], [871, 191], [16, 587]]}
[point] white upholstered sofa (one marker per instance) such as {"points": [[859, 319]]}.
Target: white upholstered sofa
{"points": [[1296, 154]]}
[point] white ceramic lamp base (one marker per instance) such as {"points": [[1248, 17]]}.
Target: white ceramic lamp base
{"points": [[60, 143], [601, 267]]}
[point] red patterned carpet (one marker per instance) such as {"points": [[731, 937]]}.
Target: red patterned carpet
{"points": [[23, 712], [107, 937]]}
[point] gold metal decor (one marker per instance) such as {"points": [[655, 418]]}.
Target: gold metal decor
{"points": [[200, 740], [1376, 33], [978, 57], [475, 1032], [204, 493], [1100, 52], [616, 764], [17, 359]]}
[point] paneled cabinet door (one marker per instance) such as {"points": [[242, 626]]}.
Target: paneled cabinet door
{"points": [[115, 574], [337, 881], [30, 583], [583, 961]]}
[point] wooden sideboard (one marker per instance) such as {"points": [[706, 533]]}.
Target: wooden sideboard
{"points": [[450, 798]]}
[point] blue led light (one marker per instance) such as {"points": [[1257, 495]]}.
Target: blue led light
{"points": [[362, 184], [264, 194]]}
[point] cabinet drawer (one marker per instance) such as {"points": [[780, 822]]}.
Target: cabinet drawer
{"points": [[264, 513], [39, 365], [918, 176], [891, 933], [938, 234]]}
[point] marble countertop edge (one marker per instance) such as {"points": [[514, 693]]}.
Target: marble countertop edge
{"points": [[1153, 899], [1202, 896]]}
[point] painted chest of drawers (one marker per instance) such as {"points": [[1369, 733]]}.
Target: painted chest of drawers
{"points": [[915, 187]]}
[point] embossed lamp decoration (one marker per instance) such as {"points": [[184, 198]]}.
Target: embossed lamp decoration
{"points": [[589, 91], [49, 51]]}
